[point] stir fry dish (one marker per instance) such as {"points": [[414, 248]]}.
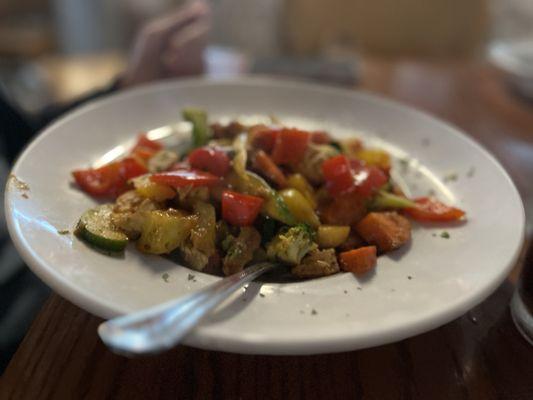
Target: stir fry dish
{"points": [[244, 194]]}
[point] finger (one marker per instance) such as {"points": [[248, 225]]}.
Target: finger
{"points": [[190, 13], [186, 45], [187, 35]]}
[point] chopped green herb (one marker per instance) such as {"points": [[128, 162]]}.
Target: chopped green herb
{"points": [[165, 277], [190, 277], [404, 162], [451, 177], [345, 292], [445, 235], [63, 232], [409, 277], [261, 295], [314, 312]]}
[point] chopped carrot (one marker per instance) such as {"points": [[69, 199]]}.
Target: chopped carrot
{"points": [[358, 261], [267, 167]]}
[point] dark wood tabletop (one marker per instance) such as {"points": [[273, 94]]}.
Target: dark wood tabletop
{"points": [[477, 356]]}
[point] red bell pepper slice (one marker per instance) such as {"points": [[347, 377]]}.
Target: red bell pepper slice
{"points": [[182, 177], [240, 209], [431, 209], [210, 159], [111, 179], [290, 146]]}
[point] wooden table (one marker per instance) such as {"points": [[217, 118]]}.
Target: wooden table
{"points": [[478, 356]]}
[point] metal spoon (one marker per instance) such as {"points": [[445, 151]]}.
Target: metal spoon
{"points": [[175, 137], [162, 327]]}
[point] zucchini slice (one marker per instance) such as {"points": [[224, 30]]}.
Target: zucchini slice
{"points": [[95, 228]]}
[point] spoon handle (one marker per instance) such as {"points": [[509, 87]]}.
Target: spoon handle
{"points": [[161, 327]]}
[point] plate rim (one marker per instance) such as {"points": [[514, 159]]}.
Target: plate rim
{"points": [[251, 345]]}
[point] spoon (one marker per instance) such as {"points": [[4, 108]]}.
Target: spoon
{"points": [[161, 327], [176, 137]]}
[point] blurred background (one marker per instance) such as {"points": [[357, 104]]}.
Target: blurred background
{"points": [[56, 50], [63, 52]]}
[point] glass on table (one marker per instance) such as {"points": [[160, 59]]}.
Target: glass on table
{"points": [[522, 301]]}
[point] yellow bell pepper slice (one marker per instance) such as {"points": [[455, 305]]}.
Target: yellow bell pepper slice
{"points": [[300, 207], [329, 236], [298, 182]]}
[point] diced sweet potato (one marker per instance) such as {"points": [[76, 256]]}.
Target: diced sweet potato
{"points": [[346, 209], [358, 261], [386, 230]]}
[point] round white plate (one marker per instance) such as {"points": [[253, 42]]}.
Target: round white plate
{"points": [[418, 288]]}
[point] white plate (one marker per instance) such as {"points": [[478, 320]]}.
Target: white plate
{"points": [[415, 289]]}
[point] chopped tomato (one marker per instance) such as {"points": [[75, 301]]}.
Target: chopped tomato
{"points": [[358, 261], [290, 146], [97, 182], [183, 177], [240, 209], [143, 141], [263, 137], [343, 175], [143, 153], [368, 179], [320, 137], [111, 179], [264, 164], [145, 148], [338, 175], [431, 209], [210, 159]]}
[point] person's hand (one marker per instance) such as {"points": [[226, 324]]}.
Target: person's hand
{"points": [[170, 46]]}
